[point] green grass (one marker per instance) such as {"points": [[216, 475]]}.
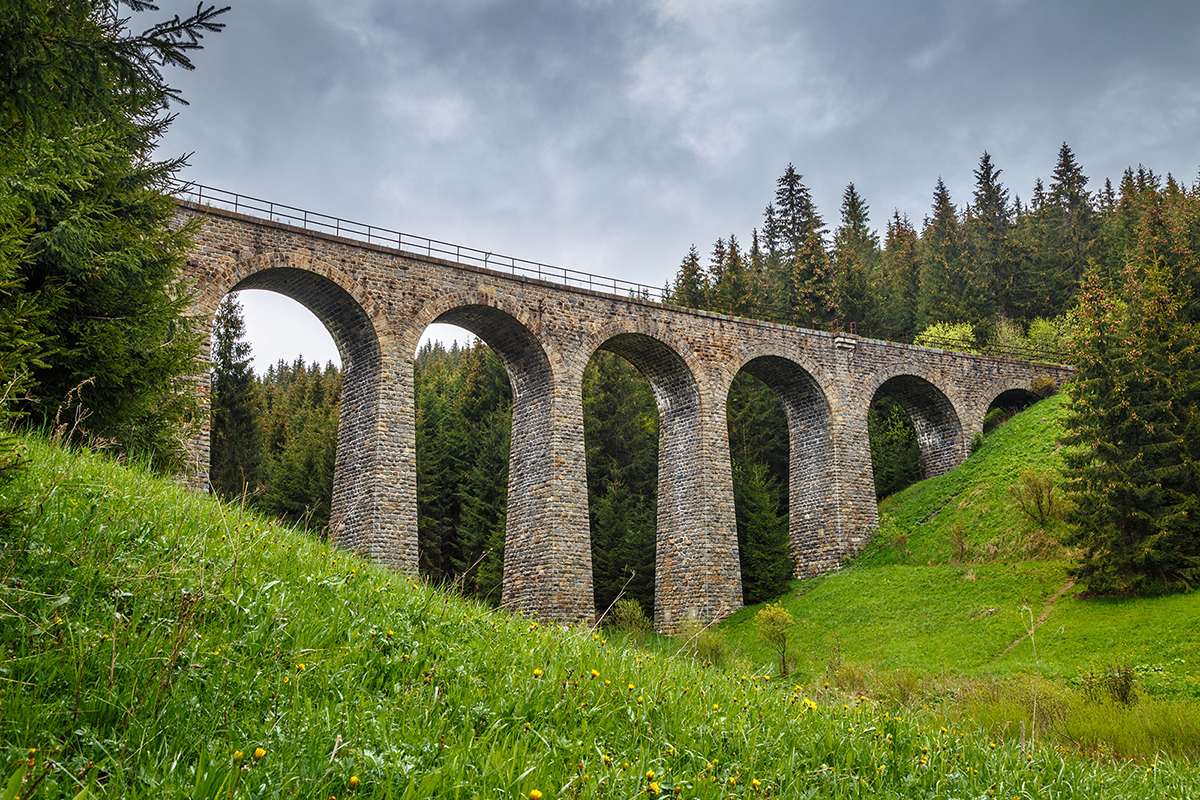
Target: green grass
{"points": [[149, 636], [939, 607]]}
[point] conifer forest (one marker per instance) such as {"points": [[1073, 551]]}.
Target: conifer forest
{"points": [[1052, 278]]}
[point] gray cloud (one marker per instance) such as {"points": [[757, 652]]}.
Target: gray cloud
{"points": [[609, 135]]}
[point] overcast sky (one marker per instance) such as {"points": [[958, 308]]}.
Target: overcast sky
{"points": [[609, 135]]}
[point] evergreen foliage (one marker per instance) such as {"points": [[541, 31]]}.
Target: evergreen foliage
{"points": [[945, 283], [87, 258], [235, 442], [1134, 427], [895, 454], [620, 419], [299, 407]]}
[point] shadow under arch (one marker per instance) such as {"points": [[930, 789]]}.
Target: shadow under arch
{"points": [[545, 566], [934, 418], [694, 568], [812, 502], [354, 332], [1005, 405]]}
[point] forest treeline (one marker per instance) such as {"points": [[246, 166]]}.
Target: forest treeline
{"points": [[996, 274]]}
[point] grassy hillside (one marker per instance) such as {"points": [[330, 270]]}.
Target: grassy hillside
{"points": [[157, 644], [955, 581]]}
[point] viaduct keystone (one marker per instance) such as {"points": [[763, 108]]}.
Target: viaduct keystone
{"points": [[377, 299]]}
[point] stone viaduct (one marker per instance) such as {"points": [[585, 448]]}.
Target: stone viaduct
{"points": [[376, 300]]}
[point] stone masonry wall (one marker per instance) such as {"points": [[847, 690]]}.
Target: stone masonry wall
{"points": [[377, 302]]}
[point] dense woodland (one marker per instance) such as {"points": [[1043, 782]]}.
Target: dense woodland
{"points": [[995, 275], [95, 347]]}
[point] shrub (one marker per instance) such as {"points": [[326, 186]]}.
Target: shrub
{"points": [[1008, 339], [628, 617], [1050, 339], [773, 623], [977, 442], [1114, 682], [1036, 494], [946, 336], [1043, 386], [997, 417]]}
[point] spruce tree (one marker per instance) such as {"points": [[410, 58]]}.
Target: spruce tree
{"points": [[898, 281], [621, 438], [945, 289], [85, 216], [1131, 431], [991, 263], [235, 442], [1064, 228], [485, 409], [1134, 427], [855, 258], [691, 284], [763, 540]]}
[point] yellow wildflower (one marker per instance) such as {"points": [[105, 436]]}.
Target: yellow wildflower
{"points": [[259, 752]]}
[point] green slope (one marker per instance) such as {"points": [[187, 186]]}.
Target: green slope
{"points": [[154, 643], [958, 575]]}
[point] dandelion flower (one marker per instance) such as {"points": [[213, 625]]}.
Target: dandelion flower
{"points": [[259, 752], [595, 674], [650, 775], [534, 794], [537, 673], [353, 782], [654, 788], [237, 755]]}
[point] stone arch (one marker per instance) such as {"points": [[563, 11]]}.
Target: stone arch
{"points": [[367, 515], [935, 417], [812, 496], [696, 558], [547, 563], [295, 275], [1012, 394]]}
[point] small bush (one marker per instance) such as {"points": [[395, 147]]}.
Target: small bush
{"points": [[1043, 386], [977, 442], [1008, 339], [773, 623], [628, 617], [1050, 339], [1036, 494], [960, 547], [1115, 682], [946, 336]]}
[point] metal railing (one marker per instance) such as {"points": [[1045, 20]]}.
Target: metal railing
{"points": [[623, 289], [409, 243]]}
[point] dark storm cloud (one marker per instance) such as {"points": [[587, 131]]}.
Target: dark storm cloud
{"points": [[608, 136]]}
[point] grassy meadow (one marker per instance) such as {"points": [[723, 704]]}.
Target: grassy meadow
{"points": [[155, 643]]}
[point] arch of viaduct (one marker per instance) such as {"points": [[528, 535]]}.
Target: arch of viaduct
{"points": [[377, 302]]}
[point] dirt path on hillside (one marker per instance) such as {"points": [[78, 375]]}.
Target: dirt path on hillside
{"points": [[1045, 614]]}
